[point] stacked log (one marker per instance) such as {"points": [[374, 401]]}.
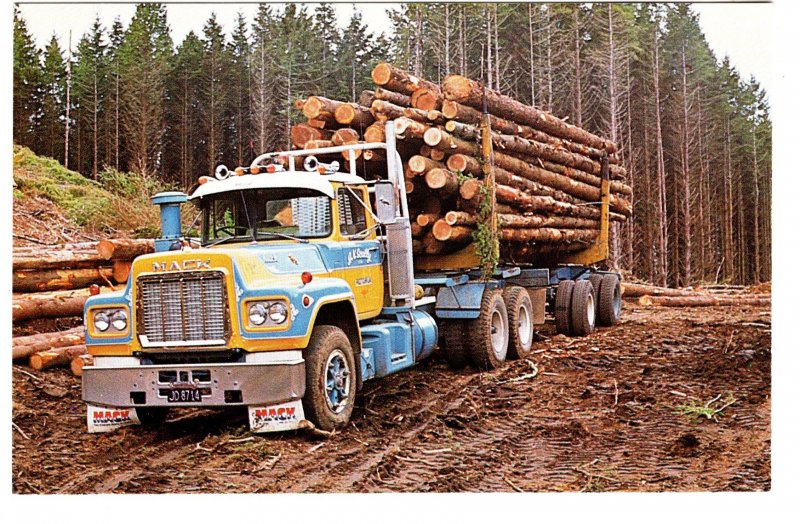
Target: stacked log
{"points": [[55, 282], [647, 295]]}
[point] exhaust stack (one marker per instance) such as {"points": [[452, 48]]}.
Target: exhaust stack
{"points": [[170, 204]]}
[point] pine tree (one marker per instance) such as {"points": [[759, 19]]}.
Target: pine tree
{"points": [[90, 81], [50, 131], [239, 141], [214, 91], [28, 83]]}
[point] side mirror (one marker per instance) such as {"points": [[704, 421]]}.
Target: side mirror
{"points": [[385, 202]]}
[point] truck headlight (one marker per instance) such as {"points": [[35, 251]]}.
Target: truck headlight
{"points": [[278, 313], [258, 314], [102, 322], [119, 320]]}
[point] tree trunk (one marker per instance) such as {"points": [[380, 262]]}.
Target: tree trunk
{"points": [[54, 304], [79, 362], [302, 133], [125, 248], [637, 290], [60, 279], [56, 357], [353, 115], [398, 99], [703, 301], [24, 347], [547, 235], [444, 232], [394, 79], [46, 258]]}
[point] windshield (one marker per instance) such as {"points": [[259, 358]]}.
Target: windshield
{"points": [[273, 213]]}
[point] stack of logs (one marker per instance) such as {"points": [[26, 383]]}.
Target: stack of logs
{"points": [[646, 295], [546, 171], [54, 282]]}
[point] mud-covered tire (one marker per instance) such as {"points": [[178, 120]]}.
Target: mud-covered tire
{"points": [[330, 378], [520, 321], [487, 335], [452, 335], [582, 308], [596, 280], [563, 309], [609, 301], [152, 417]]}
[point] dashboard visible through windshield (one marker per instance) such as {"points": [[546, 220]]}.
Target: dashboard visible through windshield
{"points": [[265, 214]]}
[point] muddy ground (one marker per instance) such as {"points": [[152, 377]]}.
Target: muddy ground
{"points": [[669, 400]]}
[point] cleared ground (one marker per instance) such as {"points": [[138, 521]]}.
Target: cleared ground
{"points": [[669, 400]]}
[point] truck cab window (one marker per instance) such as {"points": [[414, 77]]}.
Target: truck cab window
{"points": [[352, 215]]}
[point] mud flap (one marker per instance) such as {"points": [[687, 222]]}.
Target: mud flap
{"points": [[101, 419], [278, 417]]}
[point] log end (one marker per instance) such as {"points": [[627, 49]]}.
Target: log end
{"points": [[381, 74], [345, 114], [312, 107], [433, 136]]}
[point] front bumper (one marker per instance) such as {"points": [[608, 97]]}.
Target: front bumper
{"points": [[124, 382]]}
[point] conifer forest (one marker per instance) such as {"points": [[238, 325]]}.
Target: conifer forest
{"points": [[695, 136]]}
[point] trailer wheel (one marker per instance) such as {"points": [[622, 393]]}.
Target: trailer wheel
{"points": [[609, 300], [520, 321], [563, 303], [152, 417], [330, 378], [582, 309], [452, 334], [596, 280], [488, 334]]}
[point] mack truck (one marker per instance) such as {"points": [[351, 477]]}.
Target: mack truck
{"points": [[303, 288]]}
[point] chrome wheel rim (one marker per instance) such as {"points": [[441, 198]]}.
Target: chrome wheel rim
{"points": [[499, 335], [524, 326], [590, 310], [337, 381]]}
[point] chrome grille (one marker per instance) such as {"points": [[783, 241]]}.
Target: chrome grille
{"points": [[182, 308]]}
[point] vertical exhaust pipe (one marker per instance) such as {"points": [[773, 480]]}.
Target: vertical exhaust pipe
{"points": [[170, 204]]}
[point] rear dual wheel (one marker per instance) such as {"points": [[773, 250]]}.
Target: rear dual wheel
{"points": [[487, 338], [520, 321], [575, 307]]}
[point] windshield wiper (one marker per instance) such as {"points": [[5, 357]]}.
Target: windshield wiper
{"points": [[284, 235], [223, 240]]}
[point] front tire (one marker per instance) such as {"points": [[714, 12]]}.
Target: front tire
{"points": [[520, 321], [488, 334], [452, 334], [330, 378]]}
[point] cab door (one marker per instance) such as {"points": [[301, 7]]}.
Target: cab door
{"points": [[362, 265]]}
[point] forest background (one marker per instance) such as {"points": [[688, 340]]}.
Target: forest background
{"points": [[696, 137]]}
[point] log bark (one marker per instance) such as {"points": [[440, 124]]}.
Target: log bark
{"points": [[433, 246], [54, 304], [548, 235], [416, 114], [426, 220], [465, 164], [511, 221], [366, 98], [125, 248], [460, 218], [397, 99], [321, 108], [394, 79], [469, 92], [60, 279], [121, 270], [407, 128], [344, 136], [703, 301], [56, 357], [630, 289], [383, 111], [354, 115], [63, 259], [24, 347], [79, 362]]}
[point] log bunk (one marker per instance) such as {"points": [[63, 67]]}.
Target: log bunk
{"points": [[548, 174], [54, 282]]}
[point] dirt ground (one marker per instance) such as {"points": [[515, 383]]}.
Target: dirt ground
{"points": [[670, 400]]}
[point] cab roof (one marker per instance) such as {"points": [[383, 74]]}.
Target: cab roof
{"points": [[279, 180]]}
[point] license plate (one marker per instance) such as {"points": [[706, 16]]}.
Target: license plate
{"points": [[184, 395]]}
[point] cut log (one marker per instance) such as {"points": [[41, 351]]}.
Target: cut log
{"points": [[470, 189], [629, 289], [465, 164], [511, 221], [394, 79], [125, 248], [397, 99], [302, 133], [321, 108], [60, 279], [419, 164], [407, 128], [427, 99], [442, 180], [54, 304], [438, 155], [426, 220], [344, 136], [80, 362], [444, 232], [383, 111], [433, 246], [703, 301], [24, 347], [375, 133], [460, 218], [354, 115], [299, 103], [56, 357], [366, 98], [121, 270], [319, 144], [470, 92], [62, 259]]}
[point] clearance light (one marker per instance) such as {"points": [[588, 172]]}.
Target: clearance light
{"points": [[203, 179], [239, 171], [94, 289], [271, 168], [306, 277]]}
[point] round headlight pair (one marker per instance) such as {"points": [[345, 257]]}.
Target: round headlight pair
{"points": [[118, 319], [259, 312]]}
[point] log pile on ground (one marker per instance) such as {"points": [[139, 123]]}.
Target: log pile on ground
{"points": [[55, 281], [547, 172], [647, 295]]}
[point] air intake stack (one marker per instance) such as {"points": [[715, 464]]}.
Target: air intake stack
{"points": [[170, 204]]}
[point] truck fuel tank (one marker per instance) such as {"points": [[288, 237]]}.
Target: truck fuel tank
{"points": [[397, 341]]}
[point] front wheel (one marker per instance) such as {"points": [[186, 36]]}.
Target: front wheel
{"points": [[330, 378]]}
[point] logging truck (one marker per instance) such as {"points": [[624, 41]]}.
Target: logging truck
{"points": [[304, 287]]}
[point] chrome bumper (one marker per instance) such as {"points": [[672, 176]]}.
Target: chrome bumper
{"points": [[123, 382]]}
